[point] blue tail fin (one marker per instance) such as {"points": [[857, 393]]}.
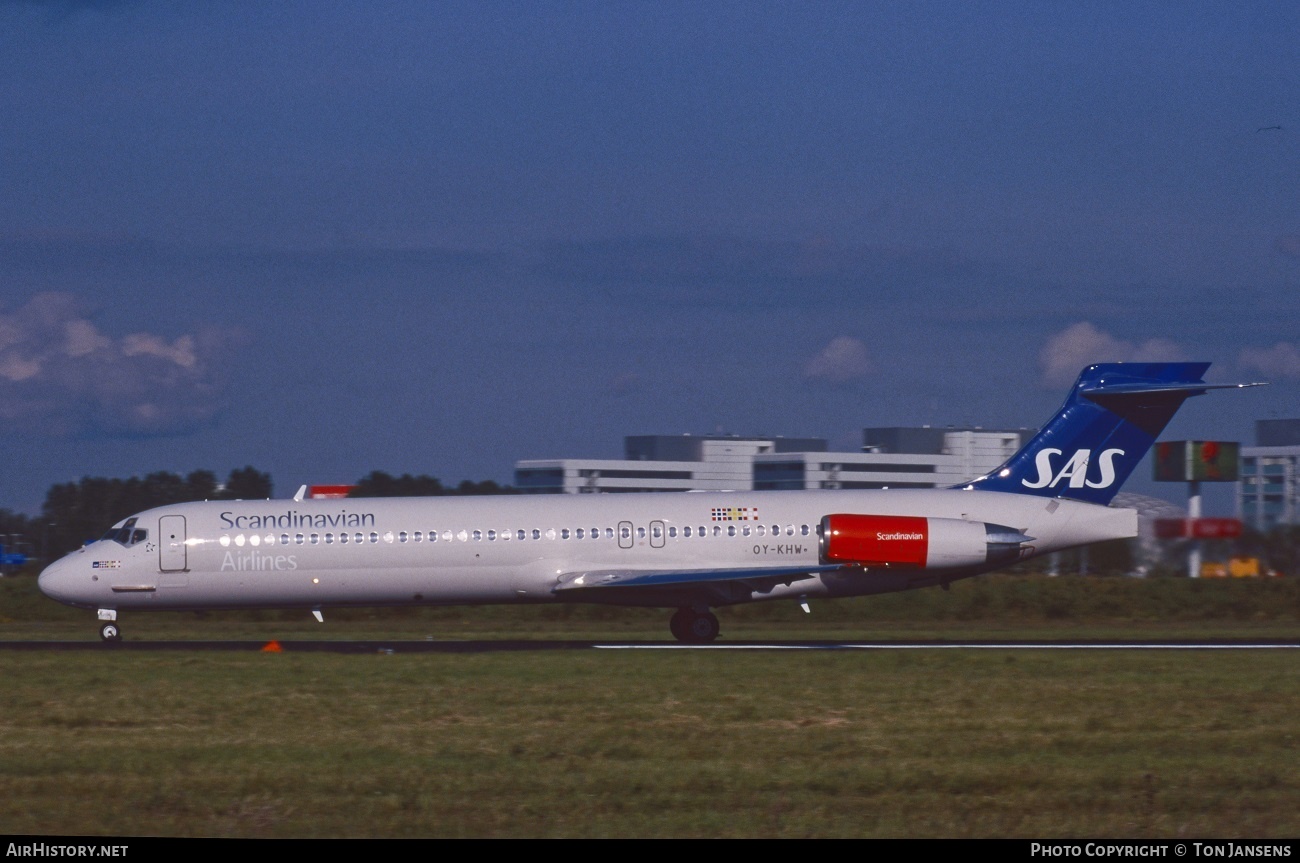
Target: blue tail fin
{"points": [[1106, 426]]}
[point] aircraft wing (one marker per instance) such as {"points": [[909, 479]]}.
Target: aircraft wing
{"points": [[594, 583]]}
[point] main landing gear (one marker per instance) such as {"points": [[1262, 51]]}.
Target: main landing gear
{"points": [[693, 627]]}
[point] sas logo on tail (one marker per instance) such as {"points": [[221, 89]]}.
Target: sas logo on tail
{"points": [[1075, 469]]}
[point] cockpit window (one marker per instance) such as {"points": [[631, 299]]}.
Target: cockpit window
{"points": [[128, 534]]}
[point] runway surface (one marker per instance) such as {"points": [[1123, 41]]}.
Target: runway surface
{"points": [[392, 647]]}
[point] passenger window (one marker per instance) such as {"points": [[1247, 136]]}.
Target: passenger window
{"points": [[374, 537], [315, 539], [401, 536], [564, 533], [521, 536], [298, 538], [433, 536], [343, 539], [731, 530], [478, 536], [329, 539], [686, 531]]}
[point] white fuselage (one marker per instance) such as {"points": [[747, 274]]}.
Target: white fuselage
{"points": [[449, 550]]}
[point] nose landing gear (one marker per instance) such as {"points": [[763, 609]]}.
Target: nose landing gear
{"points": [[108, 628]]}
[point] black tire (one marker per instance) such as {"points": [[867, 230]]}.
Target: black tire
{"points": [[702, 628], [110, 633], [678, 622]]}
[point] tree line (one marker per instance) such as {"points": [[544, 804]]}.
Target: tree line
{"points": [[76, 512]]}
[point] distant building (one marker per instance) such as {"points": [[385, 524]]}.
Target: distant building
{"points": [[1268, 493], [896, 457], [1277, 432], [660, 463], [891, 458]]}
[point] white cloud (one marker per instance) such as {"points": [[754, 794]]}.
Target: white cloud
{"points": [[180, 351], [82, 338], [16, 368], [59, 374], [1082, 344], [1280, 361], [844, 359]]}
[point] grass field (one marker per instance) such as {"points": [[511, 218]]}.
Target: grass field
{"points": [[660, 744], [1039, 744]]}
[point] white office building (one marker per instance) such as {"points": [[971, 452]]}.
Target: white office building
{"points": [[660, 463], [1268, 493], [890, 458]]}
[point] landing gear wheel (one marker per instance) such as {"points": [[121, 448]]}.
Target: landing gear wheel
{"points": [[110, 633], [693, 627], [677, 623], [703, 628]]}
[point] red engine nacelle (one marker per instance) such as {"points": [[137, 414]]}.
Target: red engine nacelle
{"points": [[917, 542]]}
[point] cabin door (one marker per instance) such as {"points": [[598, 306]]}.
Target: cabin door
{"points": [[171, 543]]}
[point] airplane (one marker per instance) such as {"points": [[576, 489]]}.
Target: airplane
{"points": [[692, 552]]}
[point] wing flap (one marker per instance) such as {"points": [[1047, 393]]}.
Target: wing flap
{"points": [[756, 578]]}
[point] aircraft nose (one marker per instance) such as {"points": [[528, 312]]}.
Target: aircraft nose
{"points": [[55, 581]]}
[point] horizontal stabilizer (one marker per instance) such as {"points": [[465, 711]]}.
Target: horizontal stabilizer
{"points": [[1113, 414]]}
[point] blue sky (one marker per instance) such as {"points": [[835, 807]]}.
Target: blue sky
{"points": [[329, 238]]}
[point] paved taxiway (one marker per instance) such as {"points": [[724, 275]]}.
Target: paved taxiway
{"points": [[538, 645]]}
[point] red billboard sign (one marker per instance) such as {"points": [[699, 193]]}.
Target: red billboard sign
{"points": [[1198, 528]]}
